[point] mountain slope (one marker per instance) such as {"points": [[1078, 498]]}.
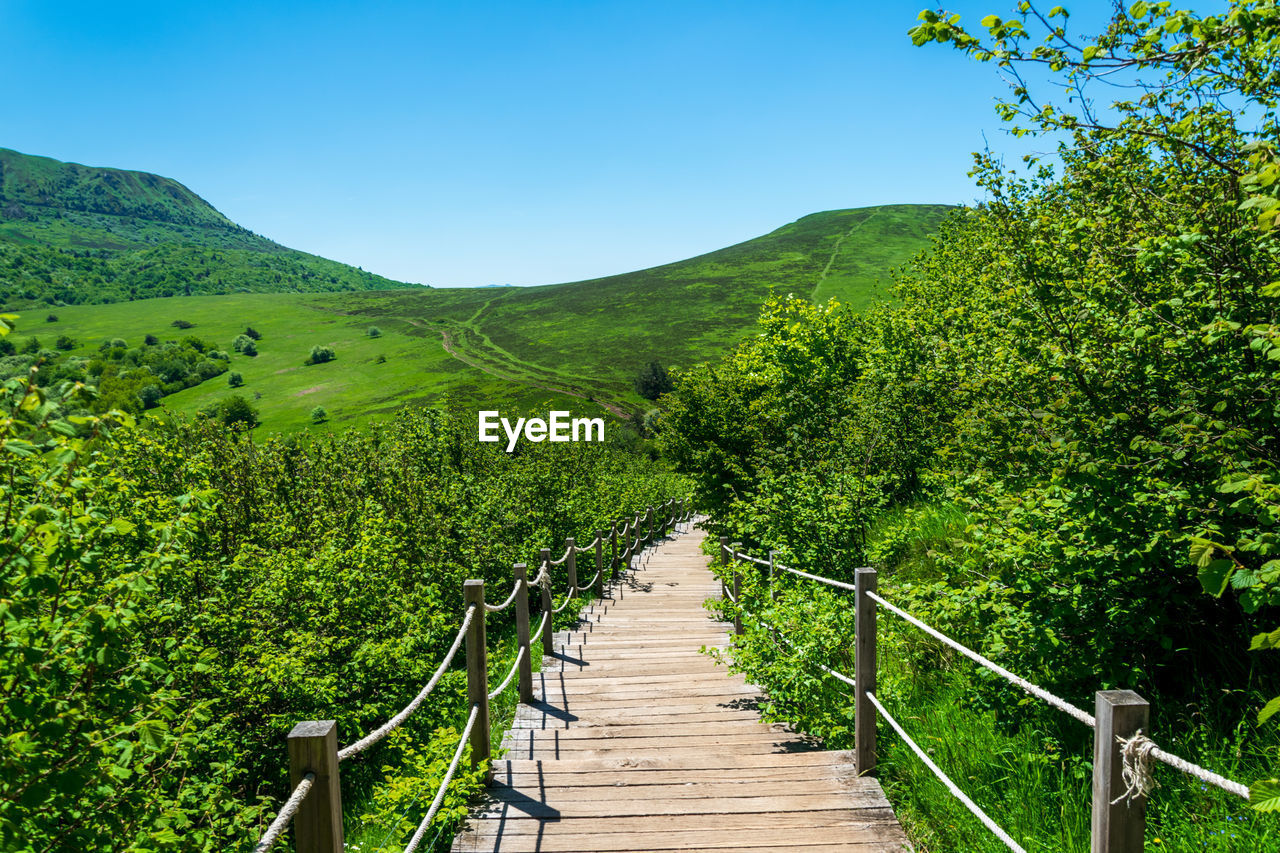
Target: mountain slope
{"points": [[72, 234]]}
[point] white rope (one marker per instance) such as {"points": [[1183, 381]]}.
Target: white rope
{"points": [[590, 545], [818, 578], [542, 576], [1136, 754], [560, 561], [542, 624], [1039, 692], [386, 728], [589, 584], [495, 608], [568, 597], [752, 559], [444, 785], [828, 670], [946, 780], [497, 691], [272, 835]]}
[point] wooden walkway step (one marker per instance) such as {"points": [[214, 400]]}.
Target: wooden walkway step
{"points": [[639, 741]]}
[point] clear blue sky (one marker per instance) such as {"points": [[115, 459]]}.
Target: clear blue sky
{"points": [[523, 143]]}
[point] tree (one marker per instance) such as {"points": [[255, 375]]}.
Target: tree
{"points": [[52, 318], [237, 410], [150, 396], [235, 380], [65, 342], [319, 415], [374, 332], [150, 340], [253, 333], [320, 354], [653, 381]]}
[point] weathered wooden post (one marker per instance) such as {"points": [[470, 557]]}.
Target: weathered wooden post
{"points": [[313, 748], [600, 564], [521, 572], [547, 646], [477, 673], [724, 562], [651, 539], [773, 567], [613, 551], [571, 564], [864, 672], [1117, 824], [735, 583]]}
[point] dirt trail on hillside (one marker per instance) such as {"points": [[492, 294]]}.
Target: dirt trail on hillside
{"points": [[447, 342]]}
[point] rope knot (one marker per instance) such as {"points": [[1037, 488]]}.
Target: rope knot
{"points": [[1135, 767]]}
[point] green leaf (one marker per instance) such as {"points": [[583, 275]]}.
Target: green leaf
{"points": [[1090, 52], [991, 21], [1214, 576], [1201, 552], [1264, 795], [1265, 641], [1269, 710]]}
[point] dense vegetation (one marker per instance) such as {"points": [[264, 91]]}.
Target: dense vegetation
{"points": [[72, 234], [175, 597], [1058, 441]]}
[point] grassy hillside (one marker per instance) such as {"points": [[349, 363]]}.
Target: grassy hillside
{"points": [[576, 346], [72, 234]]}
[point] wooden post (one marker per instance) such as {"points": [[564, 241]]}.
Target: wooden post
{"points": [[864, 672], [773, 567], [525, 676], [613, 552], [1118, 827], [735, 583], [724, 561], [737, 598], [477, 673], [313, 748], [651, 524], [547, 604], [600, 564], [571, 564]]}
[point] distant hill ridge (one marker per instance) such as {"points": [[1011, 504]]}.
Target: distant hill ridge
{"points": [[27, 180], [73, 234]]}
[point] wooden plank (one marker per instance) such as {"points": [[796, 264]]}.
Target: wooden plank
{"points": [[767, 821]]}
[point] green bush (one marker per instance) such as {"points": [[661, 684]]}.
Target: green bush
{"points": [[320, 354]]}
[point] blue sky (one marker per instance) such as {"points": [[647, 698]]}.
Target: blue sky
{"points": [[523, 143]]}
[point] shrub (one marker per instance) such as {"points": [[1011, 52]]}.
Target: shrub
{"points": [[52, 318], [320, 354], [31, 347], [653, 381], [150, 340], [65, 342], [251, 332], [319, 415], [181, 324], [235, 380], [233, 410], [381, 359], [374, 332], [150, 396]]}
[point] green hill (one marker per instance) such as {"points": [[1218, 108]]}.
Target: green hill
{"points": [[577, 345], [72, 234]]}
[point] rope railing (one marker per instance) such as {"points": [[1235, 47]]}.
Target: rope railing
{"points": [[498, 608], [1118, 724], [1039, 692], [391, 724], [945, 779], [287, 811], [315, 806], [515, 665], [444, 783]]}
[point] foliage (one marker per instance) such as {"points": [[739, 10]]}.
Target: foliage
{"points": [[320, 354], [373, 332], [319, 415], [234, 379], [653, 381]]}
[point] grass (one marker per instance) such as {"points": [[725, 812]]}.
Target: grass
{"points": [[575, 346]]}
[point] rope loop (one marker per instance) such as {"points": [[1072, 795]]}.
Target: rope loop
{"points": [[1135, 767]]}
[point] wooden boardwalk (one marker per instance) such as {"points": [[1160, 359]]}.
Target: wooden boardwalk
{"points": [[640, 742]]}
